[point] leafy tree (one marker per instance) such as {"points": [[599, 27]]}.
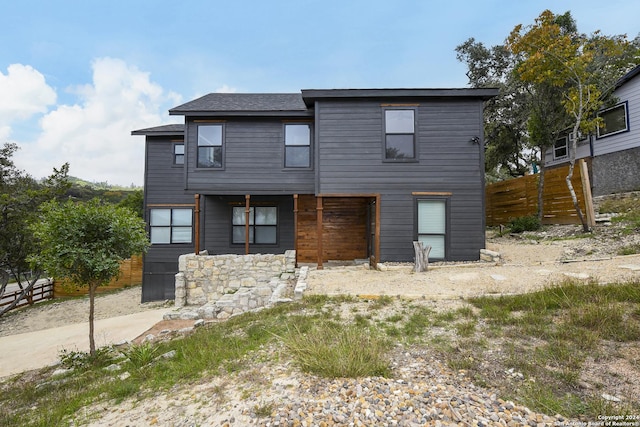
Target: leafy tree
{"points": [[583, 67], [85, 243], [134, 201], [20, 198]]}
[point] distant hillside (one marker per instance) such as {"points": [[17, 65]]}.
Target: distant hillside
{"points": [[101, 185]]}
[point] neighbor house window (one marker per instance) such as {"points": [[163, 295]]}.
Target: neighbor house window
{"points": [[263, 225], [432, 226], [399, 127], [178, 154], [561, 148], [297, 145], [614, 120], [168, 225], [210, 146]]}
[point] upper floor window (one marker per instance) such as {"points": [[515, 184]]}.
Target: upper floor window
{"points": [[297, 145], [210, 146], [399, 126], [614, 120], [168, 225], [561, 148], [263, 225], [178, 154]]}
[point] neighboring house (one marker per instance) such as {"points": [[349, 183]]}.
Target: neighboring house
{"points": [[334, 174], [613, 151]]}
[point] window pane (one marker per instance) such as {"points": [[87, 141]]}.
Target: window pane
{"points": [[266, 215], [239, 233], [266, 235], [297, 135], [210, 135], [239, 215], [560, 148], [160, 217], [210, 157], [437, 245], [297, 157], [181, 217], [181, 235], [178, 149], [179, 159], [399, 121], [614, 120], [160, 235], [431, 217], [399, 147]]}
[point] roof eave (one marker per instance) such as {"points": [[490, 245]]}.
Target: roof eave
{"points": [[311, 95]]}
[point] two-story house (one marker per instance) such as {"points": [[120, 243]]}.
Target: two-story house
{"points": [[334, 174], [612, 150]]}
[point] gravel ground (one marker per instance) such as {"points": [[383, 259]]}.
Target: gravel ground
{"points": [[422, 390]]}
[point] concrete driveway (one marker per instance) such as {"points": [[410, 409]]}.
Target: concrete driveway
{"points": [[34, 350]]}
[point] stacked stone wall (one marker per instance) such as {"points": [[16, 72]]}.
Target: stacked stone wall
{"points": [[218, 286]]}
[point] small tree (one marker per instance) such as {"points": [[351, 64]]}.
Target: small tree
{"points": [[85, 243], [554, 53], [20, 198]]}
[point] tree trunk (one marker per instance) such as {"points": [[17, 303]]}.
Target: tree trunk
{"points": [[422, 256], [574, 198], [92, 295], [541, 185]]}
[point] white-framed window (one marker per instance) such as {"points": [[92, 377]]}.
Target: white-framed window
{"points": [[561, 148], [432, 225], [297, 145], [263, 225], [614, 120], [210, 146], [170, 225], [400, 134], [178, 154]]}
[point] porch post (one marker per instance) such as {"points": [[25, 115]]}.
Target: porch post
{"points": [[247, 211], [197, 224], [377, 234], [319, 210], [295, 226]]}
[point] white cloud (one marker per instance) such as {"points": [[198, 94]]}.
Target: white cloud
{"points": [[226, 89], [94, 135], [23, 93]]}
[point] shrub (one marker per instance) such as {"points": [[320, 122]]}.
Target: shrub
{"points": [[524, 223]]}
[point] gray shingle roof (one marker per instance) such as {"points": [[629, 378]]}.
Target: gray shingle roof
{"points": [[172, 129], [242, 102]]}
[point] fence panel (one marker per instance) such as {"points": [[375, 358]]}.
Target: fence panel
{"points": [[42, 290], [518, 197]]}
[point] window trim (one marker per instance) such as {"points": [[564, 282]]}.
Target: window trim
{"points": [[252, 225], [222, 144], [415, 157], [447, 225], [625, 107], [171, 225], [555, 148], [284, 145], [174, 155]]}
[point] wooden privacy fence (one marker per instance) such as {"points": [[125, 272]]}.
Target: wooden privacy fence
{"points": [[518, 197], [130, 274]]}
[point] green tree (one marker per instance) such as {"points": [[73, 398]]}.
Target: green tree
{"points": [[134, 201], [85, 243], [584, 68], [20, 198]]}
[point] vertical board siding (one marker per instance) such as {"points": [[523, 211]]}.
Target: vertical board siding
{"points": [[351, 135]]}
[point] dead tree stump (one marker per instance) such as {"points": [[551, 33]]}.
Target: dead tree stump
{"points": [[422, 256]]}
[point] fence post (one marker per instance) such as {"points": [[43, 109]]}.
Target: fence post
{"points": [[586, 191]]}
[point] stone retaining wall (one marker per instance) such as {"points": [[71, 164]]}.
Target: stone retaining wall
{"points": [[218, 286]]}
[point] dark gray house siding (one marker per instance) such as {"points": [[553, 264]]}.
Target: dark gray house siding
{"points": [[253, 159], [349, 190], [164, 188], [350, 161]]}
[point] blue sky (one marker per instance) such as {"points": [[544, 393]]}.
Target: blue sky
{"points": [[77, 76]]}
